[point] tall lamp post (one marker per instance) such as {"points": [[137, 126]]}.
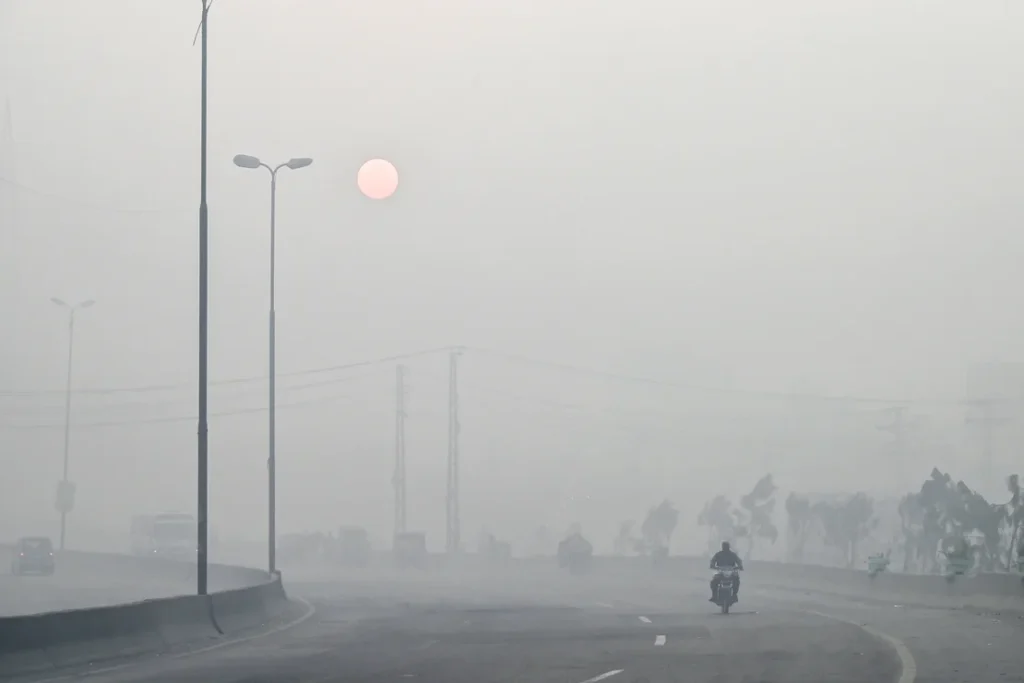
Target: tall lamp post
{"points": [[246, 161], [202, 427], [65, 492]]}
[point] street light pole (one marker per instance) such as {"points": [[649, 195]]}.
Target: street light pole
{"points": [[246, 161], [63, 501], [203, 424]]}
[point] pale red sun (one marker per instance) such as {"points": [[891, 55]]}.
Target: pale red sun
{"points": [[377, 179]]}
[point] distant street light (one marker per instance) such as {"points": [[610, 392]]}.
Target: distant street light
{"points": [[65, 492], [246, 161]]}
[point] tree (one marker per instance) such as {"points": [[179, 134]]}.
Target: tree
{"points": [[758, 506], [799, 520], [658, 527], [1015, 514], [625, 542], [846, 523], [953, 514], [718, 517], [912, 524]]}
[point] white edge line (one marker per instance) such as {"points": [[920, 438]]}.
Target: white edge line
{"points": [[645, 620], [607, 674], [908, 666], [310, 611], [660, 640]]}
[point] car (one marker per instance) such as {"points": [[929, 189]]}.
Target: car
{"points": [[33, 555]]}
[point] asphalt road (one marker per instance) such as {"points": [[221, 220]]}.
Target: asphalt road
{"points": [[548, 627], [544, 628]]}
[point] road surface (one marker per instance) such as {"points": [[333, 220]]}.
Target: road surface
{"points": [[554, 628]]}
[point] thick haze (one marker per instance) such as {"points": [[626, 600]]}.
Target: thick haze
{"points": [[791, 196]]}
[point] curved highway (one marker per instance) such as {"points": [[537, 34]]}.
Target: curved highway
{"points": [[549, 627]]}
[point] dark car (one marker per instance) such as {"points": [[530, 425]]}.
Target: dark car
{"points": [[33, 555]]}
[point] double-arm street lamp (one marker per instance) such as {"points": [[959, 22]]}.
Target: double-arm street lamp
{"points": [[246, 161]]}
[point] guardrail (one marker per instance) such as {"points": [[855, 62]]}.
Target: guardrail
{"points": [[35, 643]]}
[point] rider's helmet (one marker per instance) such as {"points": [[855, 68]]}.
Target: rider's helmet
{"points": [[725, 545]]}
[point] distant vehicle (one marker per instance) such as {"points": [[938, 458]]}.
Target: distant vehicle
{"points": [[575, 553], [496, 552], [877, 564], [410, 549], [33, 555], [172, 536], [351, 548]]}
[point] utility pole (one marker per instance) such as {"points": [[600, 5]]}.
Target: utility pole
{"points": [[399, 477], [898, 428], [452, 540], [202, 427], [65, 489], [986, 421]]}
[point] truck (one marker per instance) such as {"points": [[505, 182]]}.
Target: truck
{"points": [[168, 535], [351, 547], [575, 553]]}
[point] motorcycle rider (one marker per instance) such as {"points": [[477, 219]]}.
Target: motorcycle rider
{"points": [[726, 558]]}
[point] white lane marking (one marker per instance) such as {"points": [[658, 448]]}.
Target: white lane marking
{"points": [[310, 611], [660, 640], [645, 620], [908, 665], [607, 674], [605, 605]]}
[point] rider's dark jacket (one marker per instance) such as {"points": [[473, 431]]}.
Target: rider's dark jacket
{"points": [[726, 558]]}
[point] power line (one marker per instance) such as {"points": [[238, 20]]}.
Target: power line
{"points": [[233, 381], [704, 388], [115, 407], [183, 418], [81, 203]]}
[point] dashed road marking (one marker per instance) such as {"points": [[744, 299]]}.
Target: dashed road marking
{"points": [[645, 620], [908, 666], [606, 605], [660, 640], [606, 674]]}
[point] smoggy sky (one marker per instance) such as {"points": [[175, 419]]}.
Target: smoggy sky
{"points": [[792, 196]]}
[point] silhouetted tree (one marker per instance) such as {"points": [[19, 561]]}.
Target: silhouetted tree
{"points": [[718, 516], [758, 506], [845, 524], [800, 521], [625, 542], [658, 527]]}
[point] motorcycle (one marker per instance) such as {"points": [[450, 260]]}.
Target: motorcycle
{"points": [[724, 593], [877, 564]]}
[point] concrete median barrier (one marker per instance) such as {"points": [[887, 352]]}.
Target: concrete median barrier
{"points": [[72, 639], [244, 609]]}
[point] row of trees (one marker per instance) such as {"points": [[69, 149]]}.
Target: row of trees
{"points": [[751, 521], [843, 522], [942, 515], [939, 518]]}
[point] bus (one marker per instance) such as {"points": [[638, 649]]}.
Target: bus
{"points": [[168, 535]]}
